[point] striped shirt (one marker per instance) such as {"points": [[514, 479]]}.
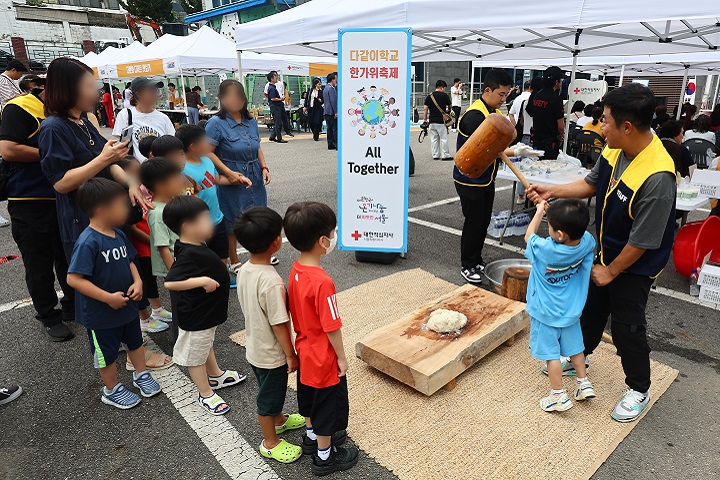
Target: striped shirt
{"points": [[8, 89]]}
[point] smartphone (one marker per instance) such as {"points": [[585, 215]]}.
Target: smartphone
{"points": [[126, 133]]}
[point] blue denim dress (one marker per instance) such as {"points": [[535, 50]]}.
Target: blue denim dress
{"points": [[237, 145]]}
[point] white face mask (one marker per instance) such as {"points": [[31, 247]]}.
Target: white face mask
{"points": [[333, 243]]}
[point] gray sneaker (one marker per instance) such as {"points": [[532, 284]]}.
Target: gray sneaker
{"points": [[584, 390], [567, 367], [631, 406]]}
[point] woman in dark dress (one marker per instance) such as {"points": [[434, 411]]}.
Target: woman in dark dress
{"points": [[314, 108]]}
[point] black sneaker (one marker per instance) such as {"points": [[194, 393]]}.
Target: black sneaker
{"points": [[281, 141], [310, 446], [480, 267], [339, 459], [8, 394], [471, 275], [289, 134], [59, 332]]}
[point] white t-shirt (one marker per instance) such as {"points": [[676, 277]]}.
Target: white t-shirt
{"points": [[521, 102], [709, 136], [583, 120], [127, 95], [262, 296], [154, 123], [456, 96], [280, 88]]}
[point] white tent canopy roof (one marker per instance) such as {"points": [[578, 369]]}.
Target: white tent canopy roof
{"points": [[698, 63], [479, 29]]}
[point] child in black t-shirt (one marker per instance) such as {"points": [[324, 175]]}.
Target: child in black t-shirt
{"points": [[199, 288]]}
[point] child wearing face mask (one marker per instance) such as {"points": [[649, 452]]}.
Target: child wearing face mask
{"points": [[322, 391]]}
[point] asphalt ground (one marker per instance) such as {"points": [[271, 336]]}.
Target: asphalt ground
{"points": [[59, 429]]}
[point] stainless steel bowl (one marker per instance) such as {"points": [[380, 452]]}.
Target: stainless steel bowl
{"points": [[494, 270]]}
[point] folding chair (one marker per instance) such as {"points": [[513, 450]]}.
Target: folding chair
{"points": [[701, 151], [588, 150]]}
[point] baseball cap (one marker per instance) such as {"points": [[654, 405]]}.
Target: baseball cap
{"points": [[16, 65], [555, 73], [143, 82], [36, 79]]}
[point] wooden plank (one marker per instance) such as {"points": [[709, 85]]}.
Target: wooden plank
{"points": [[425, 360]]}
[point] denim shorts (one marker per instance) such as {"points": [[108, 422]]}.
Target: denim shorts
{"points": [[550, 343]]}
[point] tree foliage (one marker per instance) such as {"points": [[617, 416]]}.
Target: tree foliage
{"points": [[157, 10], [191, 6]]}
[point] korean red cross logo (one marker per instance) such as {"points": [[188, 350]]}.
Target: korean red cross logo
{"points": [[356, 235]]}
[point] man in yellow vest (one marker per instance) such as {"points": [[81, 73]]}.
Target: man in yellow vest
{"points": [[31, 204], [477, 194], [634, 186]]}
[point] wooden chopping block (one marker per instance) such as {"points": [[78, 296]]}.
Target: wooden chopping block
{"points": [[485, 145], [515, 283]]}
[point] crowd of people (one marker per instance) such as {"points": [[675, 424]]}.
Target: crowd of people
{"points": [[112, 218]]}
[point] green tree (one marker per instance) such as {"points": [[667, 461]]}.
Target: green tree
{"points": [[158, 10], [191, 6]]}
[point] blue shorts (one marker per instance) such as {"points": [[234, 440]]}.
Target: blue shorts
{"points": [[550, 343], [105, 342]]}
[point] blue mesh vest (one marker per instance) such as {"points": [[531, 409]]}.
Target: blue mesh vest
{"points": [[488, 176], [613, 214]]}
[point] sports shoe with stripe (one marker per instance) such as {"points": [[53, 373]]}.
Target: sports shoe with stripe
{"points": [[556, 403], [153, 325], [161, 314], [630, 406], [120, 397], [567, 367], [9, 393], [584, 390], [146, 383]]}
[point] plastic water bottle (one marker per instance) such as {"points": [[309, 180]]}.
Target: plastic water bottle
{"points": [[694, 288]]}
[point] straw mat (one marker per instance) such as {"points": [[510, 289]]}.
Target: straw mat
{"points": [[491, 425]]}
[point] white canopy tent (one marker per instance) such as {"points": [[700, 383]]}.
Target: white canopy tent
{"points": [[478, 29], [106, 62]]}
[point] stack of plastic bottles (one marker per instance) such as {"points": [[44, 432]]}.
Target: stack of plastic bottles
{"points": [[517, 226]]}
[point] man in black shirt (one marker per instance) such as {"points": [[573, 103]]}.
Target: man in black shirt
{"points": [[546, 108], [277, 108], [31, 204], [436, 104]]}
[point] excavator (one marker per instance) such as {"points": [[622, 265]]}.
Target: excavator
{"points": [[133, 22]]}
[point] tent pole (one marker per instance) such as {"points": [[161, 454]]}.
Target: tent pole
{"points": [[622, 75], [182, 93], [568, 107], [472, 81], [717, 90], [682, 92], [240, 72]]}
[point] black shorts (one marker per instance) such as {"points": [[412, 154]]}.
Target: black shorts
{"points": [[272, 388], [105, 342], [328, 408], [219, 241]]}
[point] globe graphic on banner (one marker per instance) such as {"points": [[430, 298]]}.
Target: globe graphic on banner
{"points": [[373, 112]]}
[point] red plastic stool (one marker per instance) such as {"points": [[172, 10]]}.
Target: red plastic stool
{"points": [[693, 242]]}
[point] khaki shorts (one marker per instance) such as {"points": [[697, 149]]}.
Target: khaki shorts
{"points": [[192, 348]]}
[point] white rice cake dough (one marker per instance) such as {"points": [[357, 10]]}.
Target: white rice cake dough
{"points": [[446, 321]]}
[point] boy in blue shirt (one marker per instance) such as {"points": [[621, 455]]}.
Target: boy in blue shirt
{"points": [[108, 286], [201, 169], [557, 290]]}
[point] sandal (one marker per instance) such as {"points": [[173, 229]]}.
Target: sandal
{"points": [[292, 422], [283, 452], [227, 379], [213, 404], [161, 362], [234, 268]]}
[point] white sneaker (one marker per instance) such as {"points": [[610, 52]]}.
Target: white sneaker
{"points": [[584, 390], [631, 406], [471, 275], [556, 403], [153, 326], [567, 367], [4, 222], [161, 314]]}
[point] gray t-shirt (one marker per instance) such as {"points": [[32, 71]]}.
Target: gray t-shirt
{"points": [[651, 207]]}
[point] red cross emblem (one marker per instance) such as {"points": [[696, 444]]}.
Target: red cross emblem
{"points": [[577, 90], [356, 235]]}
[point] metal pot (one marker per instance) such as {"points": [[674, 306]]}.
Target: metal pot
{"points": [[494, 270]]}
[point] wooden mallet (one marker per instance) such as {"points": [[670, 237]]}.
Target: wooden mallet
{"points": [[485, 145]]}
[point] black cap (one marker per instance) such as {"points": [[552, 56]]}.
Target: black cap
{"points": [[16, 65], [554, 73], [37, 80], [143, 82]]}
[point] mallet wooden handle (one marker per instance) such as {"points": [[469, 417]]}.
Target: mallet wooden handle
{"points": [[515, 170]]}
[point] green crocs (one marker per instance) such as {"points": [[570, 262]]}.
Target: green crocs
{"points": [[284, 452], [293, 422]]}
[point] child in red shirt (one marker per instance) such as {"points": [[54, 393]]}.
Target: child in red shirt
{"points": [[322, 392]]}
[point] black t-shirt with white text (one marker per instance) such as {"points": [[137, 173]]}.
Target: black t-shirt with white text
{"points": [[546, 108], [443, 100], [196, 309]]}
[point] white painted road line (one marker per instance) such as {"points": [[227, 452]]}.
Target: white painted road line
{"points": [[240, 460], [447, 201], [521, 251]]}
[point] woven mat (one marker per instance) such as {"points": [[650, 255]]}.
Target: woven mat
{"points": [[490, 426]]}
